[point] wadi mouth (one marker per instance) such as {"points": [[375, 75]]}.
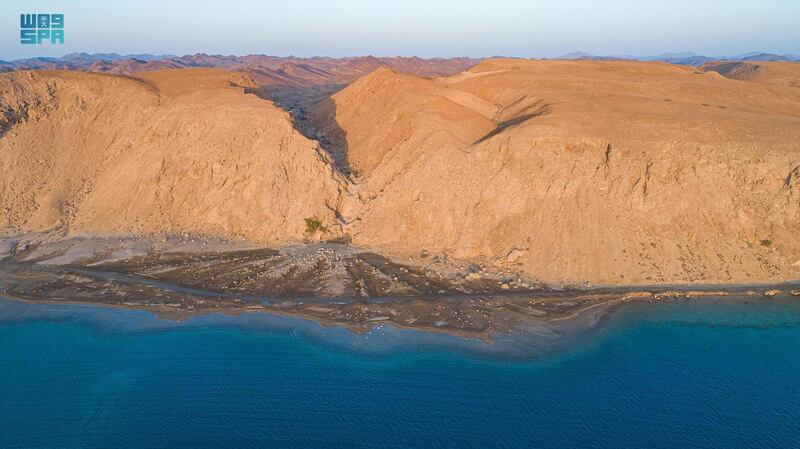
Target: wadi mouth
{"points": [[334, 284]]}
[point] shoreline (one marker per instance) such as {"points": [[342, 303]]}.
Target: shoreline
{"points": [[573, 310], [528, 341], [331, 284]]}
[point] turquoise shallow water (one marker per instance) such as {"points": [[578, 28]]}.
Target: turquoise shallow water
{"points": [[685, 374]]}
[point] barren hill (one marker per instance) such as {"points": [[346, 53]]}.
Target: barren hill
{"points": [[609, 172], [782, 73], [170, 151]]}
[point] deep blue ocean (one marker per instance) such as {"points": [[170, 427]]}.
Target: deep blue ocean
{"points": [[714, 374]]}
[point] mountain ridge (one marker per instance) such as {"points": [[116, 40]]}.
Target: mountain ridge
{"points": [[264, 69], [605, 172]]}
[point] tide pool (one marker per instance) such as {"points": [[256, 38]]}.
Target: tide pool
{"points": [[699, 373]]}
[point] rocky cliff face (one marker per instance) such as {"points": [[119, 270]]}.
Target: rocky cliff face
{"points": [[172, 151], [568, 171], [607, 172]]}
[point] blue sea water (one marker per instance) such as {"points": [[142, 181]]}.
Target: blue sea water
{"points": [[715, 374]]}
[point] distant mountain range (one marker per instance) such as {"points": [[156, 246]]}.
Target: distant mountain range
{"points": [[263, 69], [686, 58], [296, 71]]}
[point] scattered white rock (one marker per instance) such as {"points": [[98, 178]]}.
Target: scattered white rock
{"points": [[514, 255]]}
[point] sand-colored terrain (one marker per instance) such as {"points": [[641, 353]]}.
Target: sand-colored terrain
{"points": [[608, 172], [565, 171], [780, 73], [264, 70], [169, 151]]}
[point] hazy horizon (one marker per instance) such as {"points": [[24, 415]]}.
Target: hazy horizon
{"points": [[446, 28], [565, 55]]}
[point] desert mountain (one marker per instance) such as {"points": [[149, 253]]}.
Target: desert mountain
{"points": [[169, 151], [685, 58], [612, 172], [578, 170]]}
